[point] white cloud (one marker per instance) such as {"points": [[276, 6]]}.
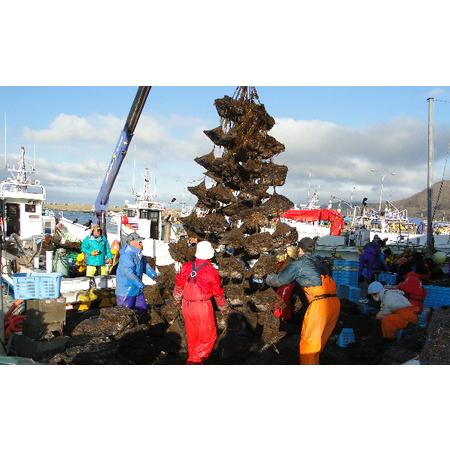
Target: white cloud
{"points": [[438, 92], [154, 136], [65, 128], [340, 158], [74, 152]]}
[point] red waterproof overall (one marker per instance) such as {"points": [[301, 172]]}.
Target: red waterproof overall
{"points": [[283, 307], [413, 289], [197, 282]]}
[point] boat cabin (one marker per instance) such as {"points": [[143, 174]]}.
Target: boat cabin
{"points": [[145, 215], [146, 218], [21, 201]]}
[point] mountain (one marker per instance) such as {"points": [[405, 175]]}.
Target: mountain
{"points": [[417, 203]]}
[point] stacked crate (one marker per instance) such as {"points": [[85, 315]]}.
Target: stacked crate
{"points": [[437, 296], [345, 275], [387, 278], [345, 272]]}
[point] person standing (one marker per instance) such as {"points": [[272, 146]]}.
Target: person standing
{"points": [[195, 285], [369, 261], [283, 304], [320, 291], [97, 252], [129, 285]]}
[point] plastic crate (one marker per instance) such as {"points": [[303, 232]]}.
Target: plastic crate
{"points": [[346, 337], [345, 263], [347, 280], [29, 286], [342, 291], [354, 294], [387, 278], [366, 309], [345, 272], [437, 296], [423, 317]]}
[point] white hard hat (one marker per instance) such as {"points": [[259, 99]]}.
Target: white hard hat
{"points": [[163, 257], [374, 288], [204, 250]]}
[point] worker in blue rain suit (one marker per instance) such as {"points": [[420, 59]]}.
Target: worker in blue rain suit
{"points": [[129, 285], [97, 252]]}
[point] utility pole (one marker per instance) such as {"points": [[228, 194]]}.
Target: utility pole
{"points": [[381, 192], [430, 241]]}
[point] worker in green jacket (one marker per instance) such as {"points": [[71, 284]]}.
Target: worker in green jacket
{"points": [[97, 252]]}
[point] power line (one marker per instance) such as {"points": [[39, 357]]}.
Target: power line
{"points": [[442, 101]]}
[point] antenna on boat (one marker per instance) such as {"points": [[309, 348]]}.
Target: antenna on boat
{"points": [[146, 195]]}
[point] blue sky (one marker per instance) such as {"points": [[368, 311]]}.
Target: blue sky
{"points": [[337, 133], [353, 106]]}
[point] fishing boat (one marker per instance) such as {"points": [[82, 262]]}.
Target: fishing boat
{"points": [[25, 223], [144, 215], [23, 220], [311, 220]]}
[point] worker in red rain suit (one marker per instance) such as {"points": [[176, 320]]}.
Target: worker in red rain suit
{"points": [[413, 289], [197, 282], [283, 307]]}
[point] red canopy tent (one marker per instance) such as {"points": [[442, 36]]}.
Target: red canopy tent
{"points": [[315, 215]]}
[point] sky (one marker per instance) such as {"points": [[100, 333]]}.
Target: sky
{"points": [[339, 140]]}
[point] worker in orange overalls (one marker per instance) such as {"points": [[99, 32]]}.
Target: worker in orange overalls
{"points": [[320, 291], [396, 311], [195, 285]]}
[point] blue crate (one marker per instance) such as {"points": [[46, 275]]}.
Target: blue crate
{"points": [[354, 294], [345, 263], [342, 290], [423, 317], [387, 278], [366, 309], [340, 278], [29, 286], [437, 297], [345, 272], [346, 337]]}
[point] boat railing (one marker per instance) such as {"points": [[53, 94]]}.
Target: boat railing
{"points": [[15, 187]]}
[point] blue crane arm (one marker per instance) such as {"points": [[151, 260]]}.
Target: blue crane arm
{"points": [[102, 201]]}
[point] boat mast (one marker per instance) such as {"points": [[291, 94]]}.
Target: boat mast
{"points": [[146, 196], [430, 242]]}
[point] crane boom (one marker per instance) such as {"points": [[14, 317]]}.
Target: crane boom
{"points": [[102, 201]]}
